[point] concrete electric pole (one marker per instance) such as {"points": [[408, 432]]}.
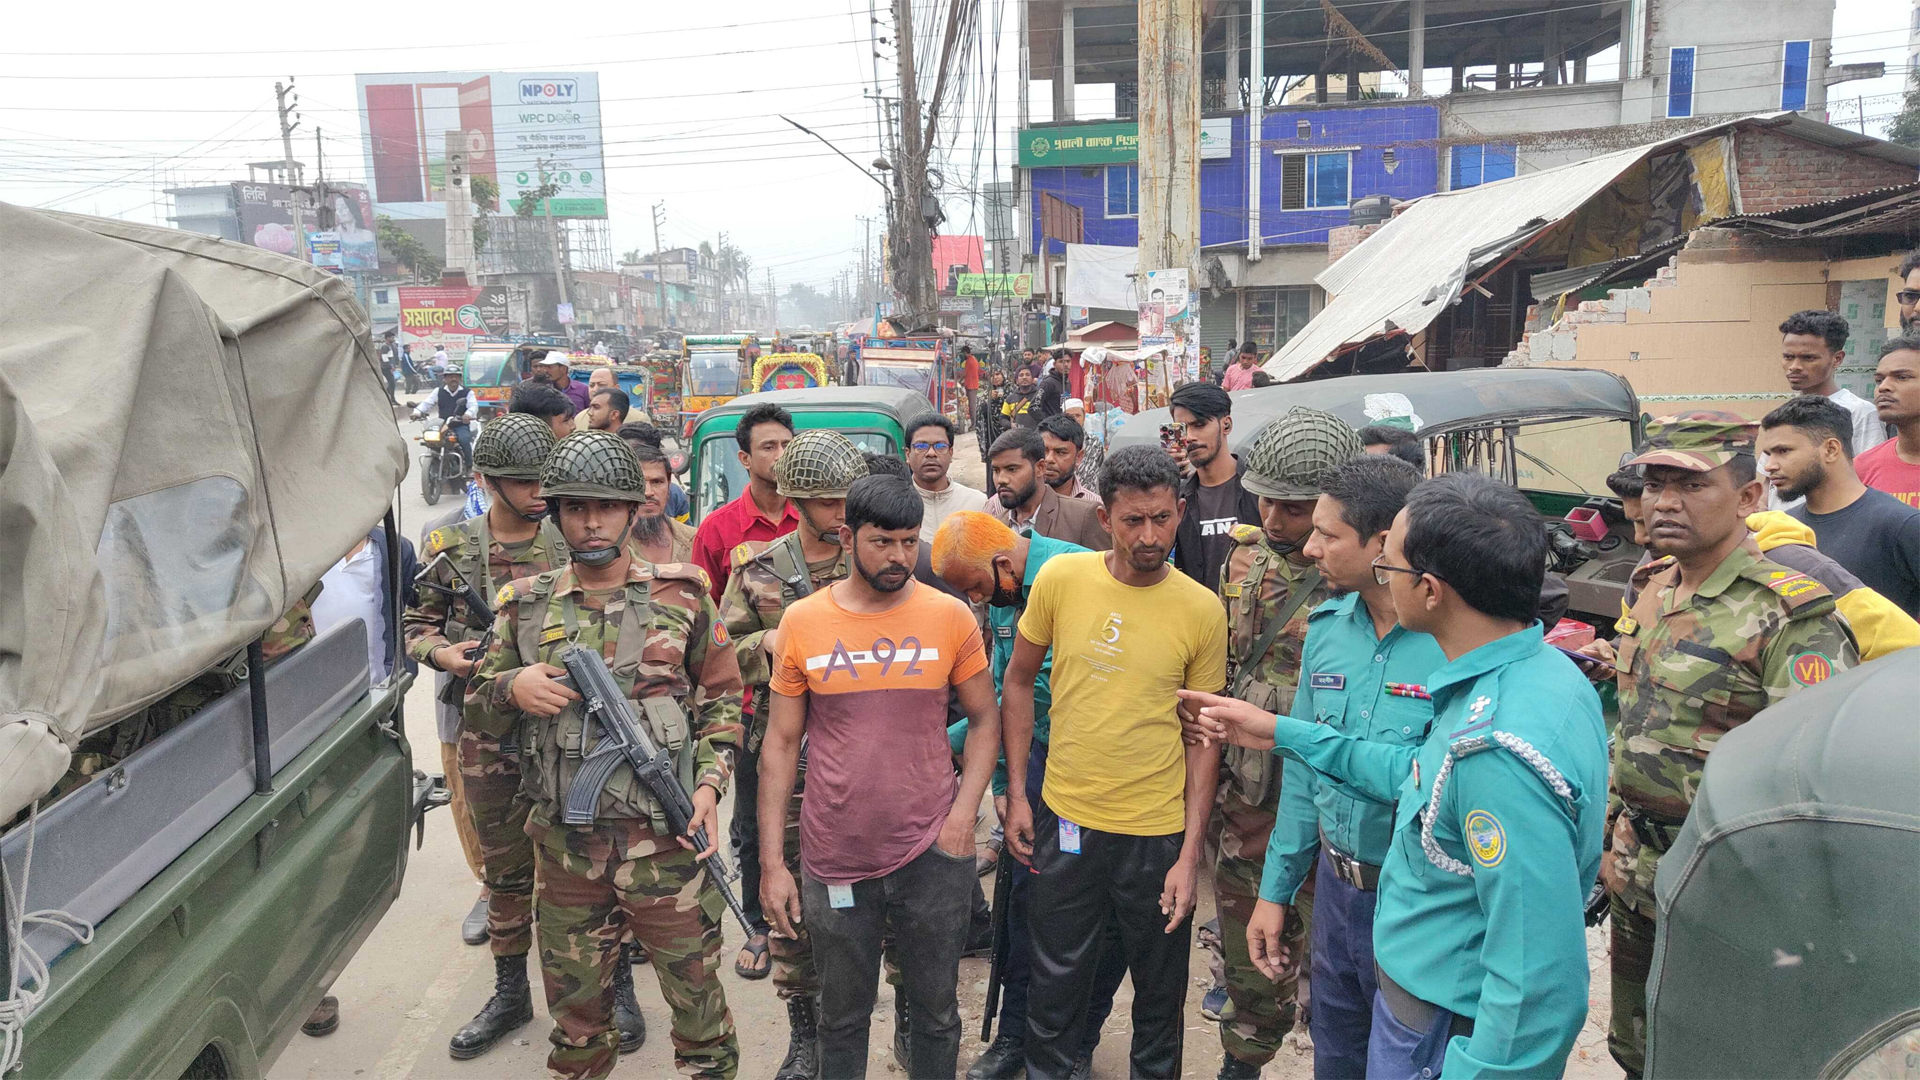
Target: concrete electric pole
{"points": [[659, 270], [460, 254], [1170, 136], [911, 238], [289, 106], [553, 243]]}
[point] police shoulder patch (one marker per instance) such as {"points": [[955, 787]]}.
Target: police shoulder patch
{"points": [[1486, 840]]}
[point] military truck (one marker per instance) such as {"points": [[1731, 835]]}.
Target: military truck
{"points": [[191, 433]]}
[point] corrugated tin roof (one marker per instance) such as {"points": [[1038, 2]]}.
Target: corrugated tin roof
{"points": [[1400, 279], [1889, 210]]}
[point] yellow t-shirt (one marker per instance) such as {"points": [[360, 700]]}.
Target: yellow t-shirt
{"points": [[1115, 761]]}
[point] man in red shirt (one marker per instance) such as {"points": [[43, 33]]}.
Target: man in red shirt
{"points": [[759, 513], [1894, 465], [970, 377]]}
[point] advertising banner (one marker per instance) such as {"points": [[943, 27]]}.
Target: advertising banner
{"points": [[1110, 143], [266, 221], [436, 316], [1020, 285], [1170, 320], [512, 123]]}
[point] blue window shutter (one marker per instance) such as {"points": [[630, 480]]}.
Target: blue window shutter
{"points": [[1498, 163], [1680, 81], [1466, 167], [1328, 176], [1793, 75]]}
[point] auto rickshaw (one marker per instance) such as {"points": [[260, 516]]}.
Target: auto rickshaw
{"points": [[874, 417], [787, 371], [713, 370], [920, 362], [1789, 933], [1554, 434], [493, 369]]}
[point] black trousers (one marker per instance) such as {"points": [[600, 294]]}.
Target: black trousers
{"points": [[1115, 881], [745, 831]]}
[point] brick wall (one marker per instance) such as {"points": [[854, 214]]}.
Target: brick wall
{"points": [[1777, 172], [1346, 238]]}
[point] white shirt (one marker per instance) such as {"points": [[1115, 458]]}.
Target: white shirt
{"points": [[942, 505], [432, 402], [351, 590], [1868, 431]]}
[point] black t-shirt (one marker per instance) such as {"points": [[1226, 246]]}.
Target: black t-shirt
{"points": [[1217, 510], [1877, 537]]}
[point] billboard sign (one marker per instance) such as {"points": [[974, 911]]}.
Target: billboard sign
{"points": [[266, 221], [1020, 285], [512, 122], [451, 317]]}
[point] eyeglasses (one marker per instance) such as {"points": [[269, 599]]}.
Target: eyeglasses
{"points": [[937, 447], [1381, 570], [1908, 296]]}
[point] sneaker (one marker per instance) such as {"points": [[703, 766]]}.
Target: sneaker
{"points": [[1214, 1003]]}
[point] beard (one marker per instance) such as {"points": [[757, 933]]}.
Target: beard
{"points": [[890, 578], [650, 530], [1814, 476], [1146, 560], [1013, 500]]}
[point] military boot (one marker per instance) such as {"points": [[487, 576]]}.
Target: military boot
{"points": [[508, 1010], [626, 1007], [1232, 1068], [1004, 1059], [803, 1043], [902, 1031]]}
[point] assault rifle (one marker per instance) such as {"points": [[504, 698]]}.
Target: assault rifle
{"points": [[623, 738], [463, 589]]}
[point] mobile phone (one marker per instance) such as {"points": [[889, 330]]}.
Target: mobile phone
{"points": [[1586, 661], [1171, 436]]}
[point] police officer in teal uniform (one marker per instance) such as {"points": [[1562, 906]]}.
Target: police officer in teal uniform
{"points": [[1479, 928]]}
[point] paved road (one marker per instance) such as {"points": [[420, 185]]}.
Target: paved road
{"points": [[414, 982]]}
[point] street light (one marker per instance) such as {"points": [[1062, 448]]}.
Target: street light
{"points": [[878, 163]]}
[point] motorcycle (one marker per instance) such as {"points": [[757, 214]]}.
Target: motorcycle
{"points": [[443, 467]]}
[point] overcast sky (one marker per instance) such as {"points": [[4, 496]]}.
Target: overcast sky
{"points": [[101, 115]]}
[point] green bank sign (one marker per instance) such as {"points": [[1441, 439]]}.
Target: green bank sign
{"points": [[1082, 144]]}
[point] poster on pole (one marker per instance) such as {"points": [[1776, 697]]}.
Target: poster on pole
{"points": [[1169, 314]]}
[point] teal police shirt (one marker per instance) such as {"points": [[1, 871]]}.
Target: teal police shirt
{"points": [[1497, 828], [1360, 685], [1001, 624]]}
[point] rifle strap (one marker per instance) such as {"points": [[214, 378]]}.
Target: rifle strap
{"points": [[1295, 600]]}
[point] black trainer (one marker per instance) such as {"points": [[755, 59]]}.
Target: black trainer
{"points": [[507, 1011], [626, 1007], [1004, 1059], [902, 1032], [1232, 1068], [803, 1041]]}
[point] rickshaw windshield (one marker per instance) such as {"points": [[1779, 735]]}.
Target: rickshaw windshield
{"points": [[713, 371], [722, 478], [489, 368], [901, 373]]}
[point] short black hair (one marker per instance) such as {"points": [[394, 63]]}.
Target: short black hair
{"points": [[1627, 483], [1825, 325], [1904, 343], [1911, 263], [1370, 489], [886, 465], [930, 419], [1399, 442], [884, 502], [1203, 399], [642, 432], [538, 399], [1025, 440], [1247, 348], [760, 414], [1066, 429], [646, 452], [1742, 469], [1820, 418], [1139, 468], [622, 404], [1481, 537]]}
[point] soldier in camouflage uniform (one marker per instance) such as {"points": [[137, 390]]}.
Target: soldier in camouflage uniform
{"points": [[1269, 588], [815, 473], [1718, 633], [624, 873]]}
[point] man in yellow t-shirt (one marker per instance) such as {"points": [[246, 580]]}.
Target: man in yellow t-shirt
{"points": [[1124, 808]]}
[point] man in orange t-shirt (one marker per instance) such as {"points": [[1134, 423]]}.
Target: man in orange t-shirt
{"points": [[864, 670]]}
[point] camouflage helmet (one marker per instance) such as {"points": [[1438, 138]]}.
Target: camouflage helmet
{"points": [[818, 464], [593, 465], [1291, 454], [514, 446]]}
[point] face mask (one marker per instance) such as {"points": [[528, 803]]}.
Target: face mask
{"points": [[1002, 597]]}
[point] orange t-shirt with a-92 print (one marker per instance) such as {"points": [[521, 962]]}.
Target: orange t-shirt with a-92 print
{"points": [[879, 767]]}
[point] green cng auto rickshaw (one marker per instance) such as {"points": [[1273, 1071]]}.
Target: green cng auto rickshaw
{"points": [[874, 417], [1554, 434]]}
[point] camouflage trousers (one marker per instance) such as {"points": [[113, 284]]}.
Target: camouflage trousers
{"points": [[599, 885], [1264, 1010], [1631, 949], [794, 973], [490, 780]]}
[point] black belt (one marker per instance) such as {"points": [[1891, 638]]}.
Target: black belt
{"points": [[1413, 1012], [1361, 875], [1656, 831]]}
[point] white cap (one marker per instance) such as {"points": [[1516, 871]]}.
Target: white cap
{"points": [[552, 358], [1073, 403]]}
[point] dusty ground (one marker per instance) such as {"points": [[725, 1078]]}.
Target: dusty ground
{"points": [[414, 982]]}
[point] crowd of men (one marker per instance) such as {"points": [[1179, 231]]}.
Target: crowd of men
{"points": [[1309, 671]]}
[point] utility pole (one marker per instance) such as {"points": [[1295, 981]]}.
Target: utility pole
{"points": [[1170, 136], [289, 107], [910, 238], [659, 271], [553, 244], [773, 304]]}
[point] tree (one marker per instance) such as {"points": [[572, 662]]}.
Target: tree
{"points": [[486, 201], [407, 251], [632, 256], [1905, 128], [808, 305]]}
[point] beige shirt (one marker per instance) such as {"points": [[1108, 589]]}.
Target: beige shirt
{"points": [[942, 505]]}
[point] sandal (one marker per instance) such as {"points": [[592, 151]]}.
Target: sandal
{"points": [[755, 947]]}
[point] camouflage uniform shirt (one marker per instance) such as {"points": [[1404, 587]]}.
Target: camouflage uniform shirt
{"points": [[436, 619], [752, 604], [1753, 633]]}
